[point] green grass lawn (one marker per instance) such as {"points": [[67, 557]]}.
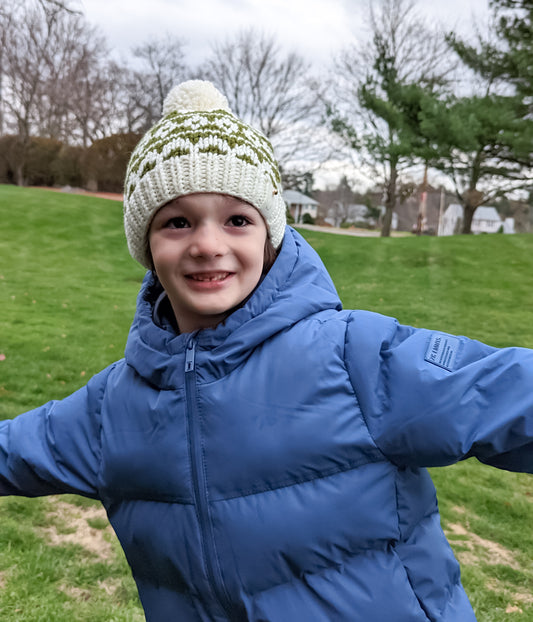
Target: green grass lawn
{"points": [[67, 297]]}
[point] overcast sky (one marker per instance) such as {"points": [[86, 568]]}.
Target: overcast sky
{"points": [[315, 28]]}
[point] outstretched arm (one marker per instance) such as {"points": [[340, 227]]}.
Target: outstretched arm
{"points": [[54, 448], [431, 399]]}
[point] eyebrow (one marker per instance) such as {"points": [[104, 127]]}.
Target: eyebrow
{"points": [[232, 203]]}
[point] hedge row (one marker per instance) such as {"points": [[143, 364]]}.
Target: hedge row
{"points": [[47, 162]]}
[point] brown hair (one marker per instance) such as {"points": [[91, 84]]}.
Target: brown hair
{"points": [[269, 255]]}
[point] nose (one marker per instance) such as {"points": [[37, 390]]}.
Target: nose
{"points": [[207, 241]]}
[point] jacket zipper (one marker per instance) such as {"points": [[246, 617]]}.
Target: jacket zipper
{"points": [[199, 482]]}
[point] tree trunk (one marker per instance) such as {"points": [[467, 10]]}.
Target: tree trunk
{"points": [[19, 175], [390, 202], [20, 156], [468, 217], [472, 199], [387, 221]]}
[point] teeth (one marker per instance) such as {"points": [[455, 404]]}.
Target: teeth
{"points": [[216, 277]]}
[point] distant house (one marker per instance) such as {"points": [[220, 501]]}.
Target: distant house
{"points": [[452, 219], [486, 220], [300, 204], [356, 212], [508, 225], [353, 213]]}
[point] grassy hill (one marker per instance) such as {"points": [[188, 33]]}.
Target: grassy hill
{"points": [[67, 297]]}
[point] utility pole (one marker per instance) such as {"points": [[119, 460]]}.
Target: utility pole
{"points": [[441, 211], [421, 221]]}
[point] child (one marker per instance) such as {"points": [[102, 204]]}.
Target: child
{"points": [[259, 451]]}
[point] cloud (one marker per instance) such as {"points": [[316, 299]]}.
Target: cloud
{"points": [[314, 28]]}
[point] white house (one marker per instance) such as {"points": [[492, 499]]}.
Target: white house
{"points": [[356, 213], [508, 225], [300, 204], [486, 220], [451, 220]]}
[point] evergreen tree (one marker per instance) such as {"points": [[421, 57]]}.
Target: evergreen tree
{"points": [[514, 27], [482, 143], [383, 83], [398, 106], [485, 140]]}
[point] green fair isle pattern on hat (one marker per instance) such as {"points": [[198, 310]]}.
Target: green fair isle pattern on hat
{"points": [[207, 150], [220, 135]]}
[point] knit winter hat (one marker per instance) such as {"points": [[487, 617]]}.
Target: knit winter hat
{"points": [[199, 146]]}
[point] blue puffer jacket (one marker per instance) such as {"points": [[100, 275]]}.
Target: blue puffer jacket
{"points": [[271, 469]]}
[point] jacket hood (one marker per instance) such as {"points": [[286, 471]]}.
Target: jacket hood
{"points": [[297, 286]]}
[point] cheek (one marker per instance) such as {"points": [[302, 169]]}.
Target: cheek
{"points": [[161, 248], [256, 270], [163, 261], [257, 255], [156, 255]]}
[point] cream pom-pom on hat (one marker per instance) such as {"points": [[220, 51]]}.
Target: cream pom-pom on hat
{"points": [[199, 145]]}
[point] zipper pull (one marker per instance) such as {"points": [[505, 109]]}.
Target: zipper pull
{"points": [[189, 356]]}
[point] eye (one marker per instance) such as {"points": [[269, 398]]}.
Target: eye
{"points": [[178, 222], [238, 220]]}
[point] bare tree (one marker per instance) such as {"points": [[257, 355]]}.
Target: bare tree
{"points": [[370, 80], [74, 103], [23, 66], [270, 89], [161, 65], [8, 12], [52, 64], [51, 6]]}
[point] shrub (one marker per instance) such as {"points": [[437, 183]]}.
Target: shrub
{"points": [[307, 219], [106, 161], [41, 154], [290, 219], [11, 158], [40, 162], [67, 168], [363, 224]]}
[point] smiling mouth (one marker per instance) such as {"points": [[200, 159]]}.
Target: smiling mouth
{"points": [[208, 277]]}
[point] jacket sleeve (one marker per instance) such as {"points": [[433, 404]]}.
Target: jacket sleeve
{"points": [[54, 448], [432, 399]]}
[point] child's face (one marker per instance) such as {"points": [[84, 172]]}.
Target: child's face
{"points": [[208, 252]]}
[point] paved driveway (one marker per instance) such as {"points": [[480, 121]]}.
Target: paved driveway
{"points": [[363, 233]]}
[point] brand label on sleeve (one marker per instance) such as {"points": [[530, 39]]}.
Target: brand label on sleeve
{"points": [[442, 350]]}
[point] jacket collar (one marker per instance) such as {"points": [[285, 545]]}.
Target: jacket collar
{"points": [[297, 286]]}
